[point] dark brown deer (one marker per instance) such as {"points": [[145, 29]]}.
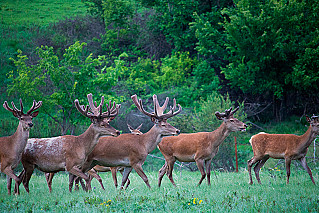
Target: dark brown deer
{"points": [[129, 150], [68, 152], [13, 146], [198, 147], [282, 146]]}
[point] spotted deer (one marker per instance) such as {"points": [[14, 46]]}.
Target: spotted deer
{"points": [[69, 152]]}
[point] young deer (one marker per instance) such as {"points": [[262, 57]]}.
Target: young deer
{"points": [[98, 168], [198, 147], [68, 152], [282, 146], [129, 150], [13, 146]]}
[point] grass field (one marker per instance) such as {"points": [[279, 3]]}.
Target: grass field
{"points": [[229, 192], [25, 12]]}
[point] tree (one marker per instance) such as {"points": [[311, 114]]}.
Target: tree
{"points": [[271, 45], [58, 82]]}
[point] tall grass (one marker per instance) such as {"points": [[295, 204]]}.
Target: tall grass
{"points": [[229, 192]]}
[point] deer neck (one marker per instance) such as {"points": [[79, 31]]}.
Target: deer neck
{"points": [[152, 138], [219, 135], [307, 138], [20, 138], [89, 139]]}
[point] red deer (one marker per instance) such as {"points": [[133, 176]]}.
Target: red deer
{"points": [[282, 146], [13, 146], [129, 150], [198, 147], [68, 152]]}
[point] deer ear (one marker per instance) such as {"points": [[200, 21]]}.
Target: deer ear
{"points": [[308, 119], [34, 114]]}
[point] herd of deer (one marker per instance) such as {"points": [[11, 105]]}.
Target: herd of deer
{"points": [[84, 155]]}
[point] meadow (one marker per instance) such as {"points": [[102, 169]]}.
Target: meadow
{"points": [[229, 192]]}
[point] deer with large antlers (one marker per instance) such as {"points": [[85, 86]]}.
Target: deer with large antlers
{"points": [[68, 152], [282, 146], [129, 150], [198, 147], [13, 146]]}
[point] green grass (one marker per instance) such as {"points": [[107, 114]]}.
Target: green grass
{"points": [[38, 12], [229, 192]]}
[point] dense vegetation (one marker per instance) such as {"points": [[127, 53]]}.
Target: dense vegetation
{"points": [[209, 55]]}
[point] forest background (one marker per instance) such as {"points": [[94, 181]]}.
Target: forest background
{"points": [[260, 55]]}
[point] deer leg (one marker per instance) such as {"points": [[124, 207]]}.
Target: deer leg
{"points": [[17, 184], [161, 174], [208, 168], [138, 168], [126, 173], [9, 181], [27, 176], [258, 166], [250, 163], [113, 171], [200, 165], [305, 166], [288, 162], [49, 178], [170, 165], [94, 174]]}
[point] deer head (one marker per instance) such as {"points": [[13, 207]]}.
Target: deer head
{"points": [[158, 117], [24, 119], [232, 124], [135, 131], [314, 123], [100, 119]]}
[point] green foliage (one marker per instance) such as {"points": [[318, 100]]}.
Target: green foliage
{"points": [[58, 82], [268, 41]]}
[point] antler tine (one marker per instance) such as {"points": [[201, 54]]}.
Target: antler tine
{"points": [[94, 109], [21, 105], [15, 108], [171, 113], [139, 127], [235, 110], [139, 105], [34, 107], [159, 110], [6, 106], [83, 110]]}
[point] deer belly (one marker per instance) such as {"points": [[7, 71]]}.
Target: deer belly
{"points": [[276, 155], [185, 158], [113, 162], [48, 166]]}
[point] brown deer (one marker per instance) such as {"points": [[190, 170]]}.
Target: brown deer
{"points": [[198, 147], [98, 168], [13, 146], [68, 152], [129, 150], [282, 146]]}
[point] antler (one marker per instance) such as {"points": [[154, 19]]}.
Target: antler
{"points": [[18, 113], [227, 113], [158, 110], [92, 110]]}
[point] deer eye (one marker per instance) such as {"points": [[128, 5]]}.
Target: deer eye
{"points": [[231, 120]]}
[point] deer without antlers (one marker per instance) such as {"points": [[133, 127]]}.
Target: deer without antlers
{"points": [[282, 146], [13, 146], [198, 147], [68, 152], [130, 151]]}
